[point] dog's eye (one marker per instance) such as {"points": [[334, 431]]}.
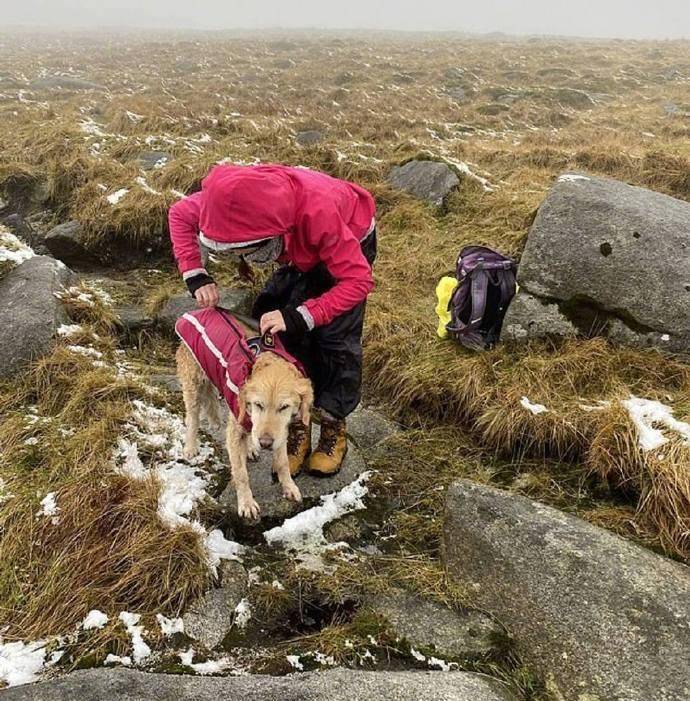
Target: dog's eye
{"points": [[259, 406], [283, 407]]}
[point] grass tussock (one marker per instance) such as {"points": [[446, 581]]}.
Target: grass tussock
{"points": [[105, 547]]}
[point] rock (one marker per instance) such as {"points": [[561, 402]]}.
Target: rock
{"points": [[493, 109], [29, 311], [167, 381], [64, 82], [529, 317], [235, 300], [368, 428], [456, 93], [153, 160], [66, 243], [133, 319], [210, 619], [605, 618], [426, 180], [451, 634], [332, 685], [309, 138], [269, 495], [609, 252], [21, 227]]}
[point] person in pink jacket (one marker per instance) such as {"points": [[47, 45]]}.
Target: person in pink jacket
{"points": [[322, 233]]}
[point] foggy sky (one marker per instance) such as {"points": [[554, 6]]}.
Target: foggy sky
{"points": [[592, 18]]}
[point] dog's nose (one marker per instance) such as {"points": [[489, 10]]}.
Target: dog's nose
{"points": [[266, 442]]}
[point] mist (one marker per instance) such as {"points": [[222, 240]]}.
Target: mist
{"points": [[664, 19]]}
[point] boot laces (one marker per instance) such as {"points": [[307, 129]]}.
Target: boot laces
{"points": [[330, 432], [296, 436]]}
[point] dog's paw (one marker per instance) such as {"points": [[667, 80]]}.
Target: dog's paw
{"points": [[248, 508], [291, 492], [191, 450]]}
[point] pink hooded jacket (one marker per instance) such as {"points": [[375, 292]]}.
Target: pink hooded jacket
{"points": [[321, 220]]}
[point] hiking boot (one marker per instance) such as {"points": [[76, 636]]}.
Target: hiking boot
{"points": [[298, 446], [330, 452]]}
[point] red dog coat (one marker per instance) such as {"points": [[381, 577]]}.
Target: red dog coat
{"points": [[223, 352]]}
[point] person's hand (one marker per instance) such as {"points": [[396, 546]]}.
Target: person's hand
{"points": [[207, 296], [272, 322]]}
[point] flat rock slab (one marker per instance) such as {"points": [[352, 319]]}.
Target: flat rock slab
{"points": [[369, 429], [596, 613], [333, 685], [234, 300], [611, 255], [210, 619], [427, 180], [66, 243], [467, 634], [30, 313], [269, 495]]}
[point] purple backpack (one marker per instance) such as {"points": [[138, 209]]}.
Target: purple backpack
{"points": [[486, 285]]}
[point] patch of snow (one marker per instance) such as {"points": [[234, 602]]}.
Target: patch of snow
{"points": [[293, 661], [536, 409], [303, 533], [665, 337], [243, 613], [32, 440], [116, 196], [4, 494], [69, 329], [465, 169], [140, 650], [218, 548], [208, 667], [433, 662], [94, 619], [49, 508], [21, 663], [178, 194], [141, 181], [88, 352], [170, 626], [116, 659], [572, 178], [13, 250], [325, 660], [277, 585], [132, 466], [648, 415]]}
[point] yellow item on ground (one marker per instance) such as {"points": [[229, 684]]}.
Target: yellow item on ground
{"points": [[444, 291]]}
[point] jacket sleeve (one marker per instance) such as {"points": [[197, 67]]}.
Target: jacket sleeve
{"points": [[183, 222], [340, 251]]}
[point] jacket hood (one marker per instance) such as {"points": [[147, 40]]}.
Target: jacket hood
{"points": [[245, 203]]}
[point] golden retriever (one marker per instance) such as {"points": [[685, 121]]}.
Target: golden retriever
{"points": [[275, 395]]}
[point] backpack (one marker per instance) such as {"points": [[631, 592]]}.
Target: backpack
{"points": [[486, 285]]}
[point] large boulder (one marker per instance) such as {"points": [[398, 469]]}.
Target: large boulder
{"points": [[30, 314], [608, 258], [333, 685], [427, 180], [66, 243], [153, 160], [602, 617]]}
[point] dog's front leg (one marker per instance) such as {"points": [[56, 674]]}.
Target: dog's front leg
{"points": [[237, 453], [190, 393], [281, 467]]}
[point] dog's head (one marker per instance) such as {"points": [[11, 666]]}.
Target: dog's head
{"points": [[275, 395]]}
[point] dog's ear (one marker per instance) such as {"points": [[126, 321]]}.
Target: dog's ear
{"points": [[241, 406], [306, 395]]}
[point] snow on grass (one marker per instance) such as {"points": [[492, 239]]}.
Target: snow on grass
{"points": [[293, 661], [49, 508], [170, 626], [21, 663], [303, 533], [141, 181], [140, 650], [85, 350], [88, 296], [116, 196], [208, 667], [4, 493], [69, 329], [464, 169], [649, 416], [536, 409], [125, 661], [433, 662], [12, 250], [183, 483], [243, 613], [94, 619]]}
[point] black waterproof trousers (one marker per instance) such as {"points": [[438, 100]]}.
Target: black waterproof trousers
{"points": [[331, 354]]}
